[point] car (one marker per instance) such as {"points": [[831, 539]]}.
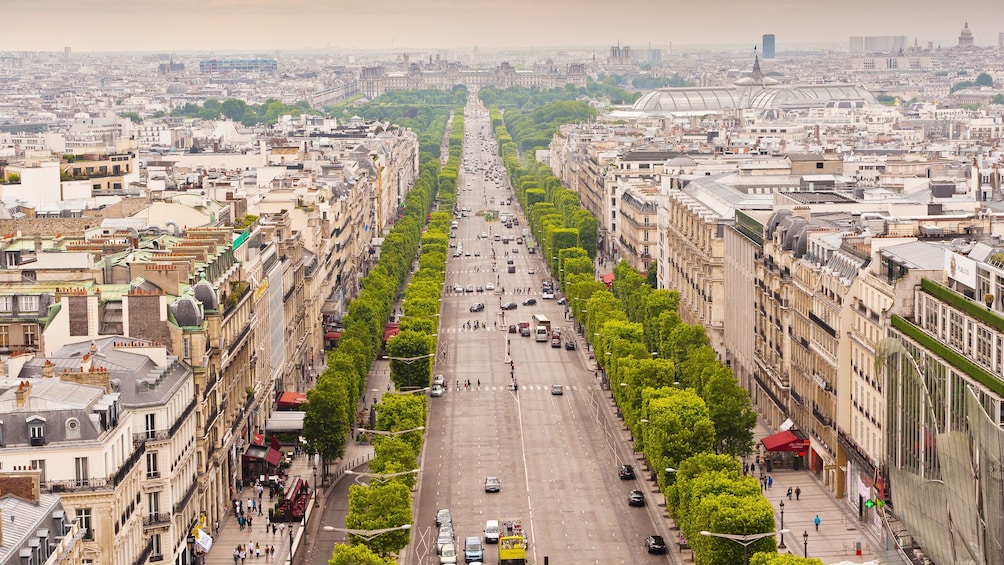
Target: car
{"points": [[531, 271], [437, 391], [519, 241], [511, 269], [497, 237], [490, 286], [530, 302], [477, 254], [524, 329], [474, 552], [626, 472], [448, 554], [439, 380], [512, 328], [481, 288], [515, 251], [492, 484], [458, 288], [443, 516], [562, 301], [636, 498], [467, 253], [557, 390], [469, 288], [456, 253], [477, 307], [453, 245], [453, 235], [570, 344], [509, 306], [445, 537], [655, 544], [484, 235]]}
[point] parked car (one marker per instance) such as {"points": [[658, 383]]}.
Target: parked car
{"points": [[458, 288], [492, 484], [439, 380], [655, 544], [570, 344], [448, 554], [562, 300], [470, 288], [443, 516], [437, 391], [636, 498], [626, 472], [445, 537]]}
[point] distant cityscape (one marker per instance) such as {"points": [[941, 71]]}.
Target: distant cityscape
{"points": [[832, 218]]}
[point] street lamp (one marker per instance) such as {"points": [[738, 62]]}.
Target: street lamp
{"points": [[744, 540], [805, 543], [781, 545], [382, 477], [316, 498], [382, 433]]}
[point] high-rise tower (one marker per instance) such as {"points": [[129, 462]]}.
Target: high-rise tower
{"points": [[768, 46]]}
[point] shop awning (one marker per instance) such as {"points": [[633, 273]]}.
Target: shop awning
{"points": [[259, 439], [273, 456], [285, 421], [788, 440], [289, 400], [331, 336], [255, 452]]}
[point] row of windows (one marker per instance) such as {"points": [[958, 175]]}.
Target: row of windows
{"points": [[25, 303]]}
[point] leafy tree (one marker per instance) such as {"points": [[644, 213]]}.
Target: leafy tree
{"points": [[394, 455], [328, 416], [377, 507], [652, 274], [133, 116], [730, 409], [984, 80], [999, 99], [410, 365], [357, 555], [768, 558]]}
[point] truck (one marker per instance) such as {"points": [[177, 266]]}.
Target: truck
{"points": [[541, 320], [512, 543]]}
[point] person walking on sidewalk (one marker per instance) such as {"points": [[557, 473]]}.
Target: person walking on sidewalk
{"points": [[789, 493], [816, 521], [798, 492]]}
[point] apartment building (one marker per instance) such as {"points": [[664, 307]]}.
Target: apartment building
{"points": [[42, 530]]}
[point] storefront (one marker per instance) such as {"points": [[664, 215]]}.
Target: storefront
{"points": [[785, 449]]}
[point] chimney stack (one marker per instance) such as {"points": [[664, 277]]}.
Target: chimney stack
{"points": [[48, 369], [22, 393]]}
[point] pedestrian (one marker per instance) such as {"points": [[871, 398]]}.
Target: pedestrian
{"points": [[479, 384], [789, 493], [250, 521], [282, 528], [237, 554], [244, 554], [770, 482], [257, 550], [816, 521], [798, 492]]}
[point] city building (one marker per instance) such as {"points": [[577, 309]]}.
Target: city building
{"points": [[877, 44], [768, 46], [966, 37]]}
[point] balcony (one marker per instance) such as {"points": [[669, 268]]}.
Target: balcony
{"points": [[145, 554], [822, 418], [179, 507], [129, 464], [156, 519], [75, 485]]}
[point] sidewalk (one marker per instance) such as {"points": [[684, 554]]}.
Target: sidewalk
{"points": [[838, 535]]}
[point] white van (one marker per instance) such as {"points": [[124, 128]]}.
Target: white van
{"points": [[541, 333], [492, 531]]}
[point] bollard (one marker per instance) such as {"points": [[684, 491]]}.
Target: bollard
{"points": [[857, 547]]}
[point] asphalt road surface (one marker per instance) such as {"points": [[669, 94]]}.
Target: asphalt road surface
{"points": [[556, 455]]}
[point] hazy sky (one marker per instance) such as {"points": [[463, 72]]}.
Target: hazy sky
{"points": [[249, 25]]}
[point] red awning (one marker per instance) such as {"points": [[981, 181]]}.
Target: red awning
{"points": [[291, 399], [331, 336], [785, 441], [273, 456], [259, 439], [607, 278]]}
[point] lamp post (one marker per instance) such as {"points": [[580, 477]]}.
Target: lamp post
{"points": [[316, 498], [805, 543], [744, 540], [397, 433], [366, 535], [382, 477], [781, 545]]}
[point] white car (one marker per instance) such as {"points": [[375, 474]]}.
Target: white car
{"points": [[531, 271], [484, 235], [458, 288], [448, 554], [490, 286]]}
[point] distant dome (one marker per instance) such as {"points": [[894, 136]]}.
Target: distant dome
{"points": [[965, 36], [187, 312], [206, 294]]}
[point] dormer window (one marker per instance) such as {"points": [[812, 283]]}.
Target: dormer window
{"points": [[72, 428], [36, 430]]}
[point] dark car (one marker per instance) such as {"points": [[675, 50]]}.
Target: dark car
{"points": [[512, 328], [636, 498], [509, 306], [655, 544], [569, 344], [477, 307], [626, 472], [530, 302]]}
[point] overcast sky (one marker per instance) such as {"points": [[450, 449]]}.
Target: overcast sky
{"points": [[225, 25]]}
